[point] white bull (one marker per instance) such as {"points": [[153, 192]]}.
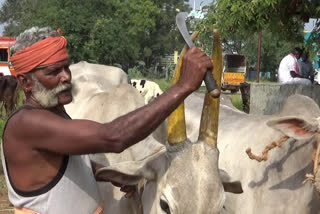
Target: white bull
{"points": [[182, 178], [274, 185], [90, 79]]}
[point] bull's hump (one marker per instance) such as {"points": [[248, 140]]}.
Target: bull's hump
{"points": [[297, 105]]}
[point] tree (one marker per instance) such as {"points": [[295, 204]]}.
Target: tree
{"points": [[120, 38], [165, 39], [102, 31], [281, 21]]}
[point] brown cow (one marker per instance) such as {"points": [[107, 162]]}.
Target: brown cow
{"points": [[8, 94]]}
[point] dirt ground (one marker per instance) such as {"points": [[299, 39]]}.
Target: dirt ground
{"points": [[5, 207]]}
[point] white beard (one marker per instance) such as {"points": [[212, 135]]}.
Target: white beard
{"points": [[47, 97]]}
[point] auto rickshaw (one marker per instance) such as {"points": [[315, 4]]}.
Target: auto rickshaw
{"points": [[234, 72]]}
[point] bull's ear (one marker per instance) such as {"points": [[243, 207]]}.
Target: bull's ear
{"points": [[294, 127], [228, 185], [131, 172]]}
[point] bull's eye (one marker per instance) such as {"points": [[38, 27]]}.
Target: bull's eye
{"points": [[164, 206]]}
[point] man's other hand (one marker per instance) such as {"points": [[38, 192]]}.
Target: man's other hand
{"points": [[127, 189]]}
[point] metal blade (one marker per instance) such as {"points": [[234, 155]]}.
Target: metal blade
{"points": [[181, 23]]}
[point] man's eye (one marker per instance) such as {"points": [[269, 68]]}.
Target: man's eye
{"points": [[54, 71]]}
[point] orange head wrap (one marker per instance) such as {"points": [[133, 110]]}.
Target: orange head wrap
{"points": [[45, 52]]}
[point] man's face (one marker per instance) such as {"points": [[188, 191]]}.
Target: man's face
{"points": [[297, 55], [52, 85]]}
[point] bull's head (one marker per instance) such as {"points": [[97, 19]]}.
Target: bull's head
{"points": [[181, 176]]}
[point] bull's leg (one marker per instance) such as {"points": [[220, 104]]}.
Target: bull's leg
{"points": [[9, 107], [6, 107]]}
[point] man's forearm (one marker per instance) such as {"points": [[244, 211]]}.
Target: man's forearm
{"points": [[137, 125], [294, 74]]}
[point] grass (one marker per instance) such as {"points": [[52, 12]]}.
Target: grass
{"points": [[235, 98], [163, 83], [260, 81], [3, 185], [237, 101], [2, 122]]}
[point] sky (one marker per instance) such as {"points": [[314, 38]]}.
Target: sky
{"points": [[197, 3], [309, 26]]}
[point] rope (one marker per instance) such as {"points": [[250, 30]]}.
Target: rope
{"points": [[315, 157], [264, 155]]}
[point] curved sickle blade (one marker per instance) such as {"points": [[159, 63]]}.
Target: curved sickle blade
{"points": [[181, 24], [210, 82]]}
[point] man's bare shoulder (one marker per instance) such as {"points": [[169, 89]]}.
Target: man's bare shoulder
{"points": [[29, 122]]}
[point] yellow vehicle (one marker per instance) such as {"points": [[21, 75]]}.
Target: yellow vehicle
{"points": [[234, 72]]}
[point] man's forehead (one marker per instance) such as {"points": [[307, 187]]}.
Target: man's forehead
{"points": [[58, 64]]}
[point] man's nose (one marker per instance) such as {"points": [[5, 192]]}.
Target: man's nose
{"points": [[65, 75]]}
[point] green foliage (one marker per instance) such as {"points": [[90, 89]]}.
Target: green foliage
{"points": [[4, 115], [117, 39], [103, 31], [273, 49], [2, 123], [163, 83], [280, 21], [135, 73], [284, 17]]}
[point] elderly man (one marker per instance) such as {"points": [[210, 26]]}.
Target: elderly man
{"points": [[44, 159], [288, 72]]}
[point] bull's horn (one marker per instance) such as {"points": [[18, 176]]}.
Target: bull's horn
{"points": [[176, 120], [210, 113]]}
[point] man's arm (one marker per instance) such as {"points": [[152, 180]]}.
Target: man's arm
{"points": [[44, 130], [294, 74]]}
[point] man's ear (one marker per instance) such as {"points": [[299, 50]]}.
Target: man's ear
{"points": [[25, 82]]}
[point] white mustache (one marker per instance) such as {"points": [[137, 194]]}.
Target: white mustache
{"points": [[62, 87]]}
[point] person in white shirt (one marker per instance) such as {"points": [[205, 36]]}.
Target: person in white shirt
{"points": [[288, 72]]}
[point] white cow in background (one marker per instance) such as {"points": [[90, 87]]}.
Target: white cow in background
{"points": [[90, 79], [148, 89], [178, 179]]}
